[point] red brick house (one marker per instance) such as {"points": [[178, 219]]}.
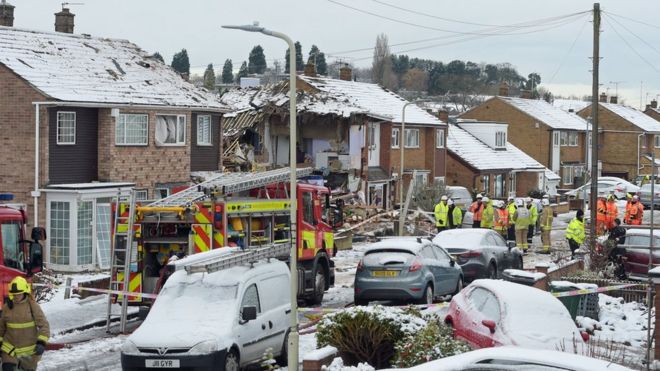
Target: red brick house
{"points": [[84, 116]]}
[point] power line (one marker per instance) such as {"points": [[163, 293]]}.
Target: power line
{"points": [[634, 34], [561, 64], [630, 46], [633, 20]]}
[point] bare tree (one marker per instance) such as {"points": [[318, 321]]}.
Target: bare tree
{"points": [[381, 57]]}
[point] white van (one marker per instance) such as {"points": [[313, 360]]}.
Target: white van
{"points": [[223, 320]]}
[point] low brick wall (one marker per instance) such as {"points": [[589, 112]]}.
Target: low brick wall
{"points": [[556, 274], [101, 283], [314, 361]]}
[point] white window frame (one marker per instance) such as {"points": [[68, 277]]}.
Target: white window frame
{"points": [[500, 139], [141, 195], [204, 130], [439, 138], [60, 126], [414, 138], [567, 170], [180, 124], [120, 125], [158, 195], [568, 139], [396, 137]]}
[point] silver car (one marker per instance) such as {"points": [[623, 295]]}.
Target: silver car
{"points": [[406, 269]]}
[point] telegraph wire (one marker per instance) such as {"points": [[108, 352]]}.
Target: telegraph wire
{"points": [[630, 46], [563, 60], [632, 19], [635, 35]]}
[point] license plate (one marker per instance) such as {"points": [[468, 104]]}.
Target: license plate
{"points": [[385, 273], [162, 363]]}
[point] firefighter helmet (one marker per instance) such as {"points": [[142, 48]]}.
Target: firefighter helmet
{"points": [[19, 286]]}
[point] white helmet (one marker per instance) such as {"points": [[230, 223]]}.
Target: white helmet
{"points": [[511, 198], [443, 198], [545, 202], [479, 196], [500, 204], [520, 202], [485, 199], [450, 202]]}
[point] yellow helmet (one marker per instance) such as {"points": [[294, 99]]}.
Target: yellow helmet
{"points": [[18, 286]]}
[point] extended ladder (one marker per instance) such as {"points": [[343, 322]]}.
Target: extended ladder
{"points": [[217, 259], [121, 254], [226, 184]]}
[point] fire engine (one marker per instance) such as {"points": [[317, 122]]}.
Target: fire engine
{"points": [[18, 255], [248, 210]]}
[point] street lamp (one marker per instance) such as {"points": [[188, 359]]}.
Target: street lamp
{"points": [[292, 353]]}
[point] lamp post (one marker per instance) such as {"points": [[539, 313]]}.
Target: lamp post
{"points": [[292, 351]]}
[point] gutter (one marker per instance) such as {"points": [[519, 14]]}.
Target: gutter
{"points": [[131, 106]]}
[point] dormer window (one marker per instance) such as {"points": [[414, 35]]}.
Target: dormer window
{"points": [[500, 139]]}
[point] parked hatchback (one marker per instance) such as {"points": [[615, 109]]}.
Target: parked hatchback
{"points": [[406, 269], [481, 253], [645, 195], [637, 245]]}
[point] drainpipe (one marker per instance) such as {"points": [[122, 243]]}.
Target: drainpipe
{"points": [[639, 137], [36, 193]]}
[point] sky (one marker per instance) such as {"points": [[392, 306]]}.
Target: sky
{"points": [[560, 52]]}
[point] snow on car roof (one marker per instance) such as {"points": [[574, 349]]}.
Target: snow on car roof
{"points": [[399, 243], [461, 238]]}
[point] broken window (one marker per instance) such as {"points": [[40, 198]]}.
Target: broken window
{"points": [[170, 130]]}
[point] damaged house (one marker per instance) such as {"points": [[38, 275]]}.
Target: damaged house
{"points": [[349, 131]]}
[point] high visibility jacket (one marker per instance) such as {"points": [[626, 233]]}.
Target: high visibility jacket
{"points": [[533, 215], [601, 211], [487, 216], [575, 231], [546, 218], [501, 219], [522, 218], [511, 209], [612, 212], [455, 216], [441, 210], [477, 208], [21, 326], [634, 213]]}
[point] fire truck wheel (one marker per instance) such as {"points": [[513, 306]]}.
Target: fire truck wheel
{"points": [[319, 286]]}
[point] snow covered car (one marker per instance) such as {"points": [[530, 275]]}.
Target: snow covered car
{"points": [[490, 313], [514, 358], [406, 269], [481, 253], [223, 320]]}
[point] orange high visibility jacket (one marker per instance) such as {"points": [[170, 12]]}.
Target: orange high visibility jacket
{"points": [[477, 209], [601, 208], [612, 212], [501, 219], [634, 213]]}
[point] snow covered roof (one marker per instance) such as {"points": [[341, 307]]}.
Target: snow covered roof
{"points": [[570, 104], [546, 113], [483, 157], [77, 68], [635, 117], [550, 175]]}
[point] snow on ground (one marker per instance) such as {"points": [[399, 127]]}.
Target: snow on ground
{"points": [[620, 322]]}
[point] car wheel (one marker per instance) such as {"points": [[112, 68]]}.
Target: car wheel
{"points": [[427, 298], [492, 271], [231, 361], [459, 285], [519, 264], [361, 302], [283, 359], [319, 287]]}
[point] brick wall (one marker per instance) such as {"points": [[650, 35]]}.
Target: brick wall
{"points": [[526, 182], [458, 174], [17, 120], [421, 158], [143, 165]]}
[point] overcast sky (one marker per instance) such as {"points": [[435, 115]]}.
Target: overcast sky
{"points": [[167, 26]]}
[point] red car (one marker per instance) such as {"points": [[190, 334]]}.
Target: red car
{"points": [[490, 313], [637, 246]]}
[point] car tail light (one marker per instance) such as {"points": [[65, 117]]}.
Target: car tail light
{"points": [[470, 254], [360, 266], [585, 336], [416, 265]]}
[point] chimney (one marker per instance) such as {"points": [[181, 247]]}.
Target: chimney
{"points": [[614, 99], [525, 94], [6, 14], [603, 98], [504, 89], [443, 116], [310, 69], [654, 104], [346, 73], [64, 21]]}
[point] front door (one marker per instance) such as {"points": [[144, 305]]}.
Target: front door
{"points": [[373, 141], [555, 152]]}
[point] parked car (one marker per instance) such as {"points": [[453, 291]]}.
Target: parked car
{"points": [[406, 269], [514, 358], [224, 320], [606, 185], [637, 252], [490, 313], [481, 253], [645, 195], [460, 195]]}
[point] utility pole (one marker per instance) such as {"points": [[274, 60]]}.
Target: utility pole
{"points": [[594, 128]]}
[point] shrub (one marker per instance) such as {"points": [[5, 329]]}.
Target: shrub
{"points": [[367, 334], [435, 341]]}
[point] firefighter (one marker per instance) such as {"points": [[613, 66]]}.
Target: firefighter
{"points": [[575, 232], [510, 209], [521, 219], [24, 329], [601, 215], [441, 210], [501, 219], [546, 225], [634, 212], [455, 215], [487, 213], [612, 212], [533, 217], [476, 209]]}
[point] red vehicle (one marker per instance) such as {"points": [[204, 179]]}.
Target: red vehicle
{"points": [[19, 256], [637, 247], [490, 313]]}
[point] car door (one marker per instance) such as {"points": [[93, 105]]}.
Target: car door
{"points": [[485, 306], [448, 274], [431, 263], [251, 332], [275, 309], [504, 255]]}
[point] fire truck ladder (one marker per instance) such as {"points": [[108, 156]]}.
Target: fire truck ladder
{"points": [[226, 184], [122, 252], [235, 258]]}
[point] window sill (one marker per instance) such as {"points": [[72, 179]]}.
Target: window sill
{"points": [[132, 145], [66, 144], [412, 147], [170, 144], [204, 145]]}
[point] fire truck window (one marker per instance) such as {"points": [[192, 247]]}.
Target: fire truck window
{"points": [[308, 208], [324, 207], [10, 246], [251, 298]]}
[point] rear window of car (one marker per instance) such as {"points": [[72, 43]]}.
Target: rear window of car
{"points": [[387, 257], [459, 193], [465, 240]]}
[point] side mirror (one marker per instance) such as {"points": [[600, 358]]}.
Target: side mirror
{"points": [[511, 244], [38, 234], [490, 324], [36, 258], [452, 262], [248, 314]]}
